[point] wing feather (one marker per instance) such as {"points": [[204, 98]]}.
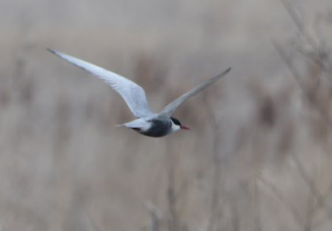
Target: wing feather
{"points": [[170, 108], [133, 94]]}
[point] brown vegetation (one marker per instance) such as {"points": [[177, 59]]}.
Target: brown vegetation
{"points": [[257, 157]]}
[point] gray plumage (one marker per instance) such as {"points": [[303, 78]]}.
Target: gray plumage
{"points": [[170, 108], [147, 123]]}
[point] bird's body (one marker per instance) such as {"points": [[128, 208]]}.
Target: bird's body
{"points": [[154, 127], [147, 122]]}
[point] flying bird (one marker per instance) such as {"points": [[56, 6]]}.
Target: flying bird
{"points": [[147, 123]]}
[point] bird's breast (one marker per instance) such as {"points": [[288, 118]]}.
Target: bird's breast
{"points": [[158, 128]]}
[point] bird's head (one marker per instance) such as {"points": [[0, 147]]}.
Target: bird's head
{"points": [[177, 125]]}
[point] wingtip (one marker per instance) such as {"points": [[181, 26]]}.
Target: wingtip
{"points": [[228, 70], [54, 51], [224, 72], [50, 50]]}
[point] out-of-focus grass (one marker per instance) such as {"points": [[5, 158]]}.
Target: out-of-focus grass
{"points": [[257, 157]]}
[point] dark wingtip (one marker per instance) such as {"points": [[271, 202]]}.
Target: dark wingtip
{"points": [[224, 73], [51, 50], [228, 70]]}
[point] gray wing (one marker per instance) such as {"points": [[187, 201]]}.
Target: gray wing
{"points": [[133, 94], [170, 108]]}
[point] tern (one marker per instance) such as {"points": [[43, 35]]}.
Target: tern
{"points": [[147, 123]]}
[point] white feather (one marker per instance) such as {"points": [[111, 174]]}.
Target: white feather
{"points": [[138, 123], [133, 94]]}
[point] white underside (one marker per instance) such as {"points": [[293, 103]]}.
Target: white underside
{"points": [[138, 123]]}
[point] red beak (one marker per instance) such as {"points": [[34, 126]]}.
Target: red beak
{"points": [[184, 127]]}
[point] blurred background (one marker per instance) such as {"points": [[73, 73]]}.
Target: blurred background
{"points": [[257, 157]]}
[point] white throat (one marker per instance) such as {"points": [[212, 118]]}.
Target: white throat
{"points": [[175, 127]]}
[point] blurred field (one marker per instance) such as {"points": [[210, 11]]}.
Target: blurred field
{"points": [[258, 156]]}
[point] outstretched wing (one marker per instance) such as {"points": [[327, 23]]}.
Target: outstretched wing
{"points": [[133, 94], [170, 108]]}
